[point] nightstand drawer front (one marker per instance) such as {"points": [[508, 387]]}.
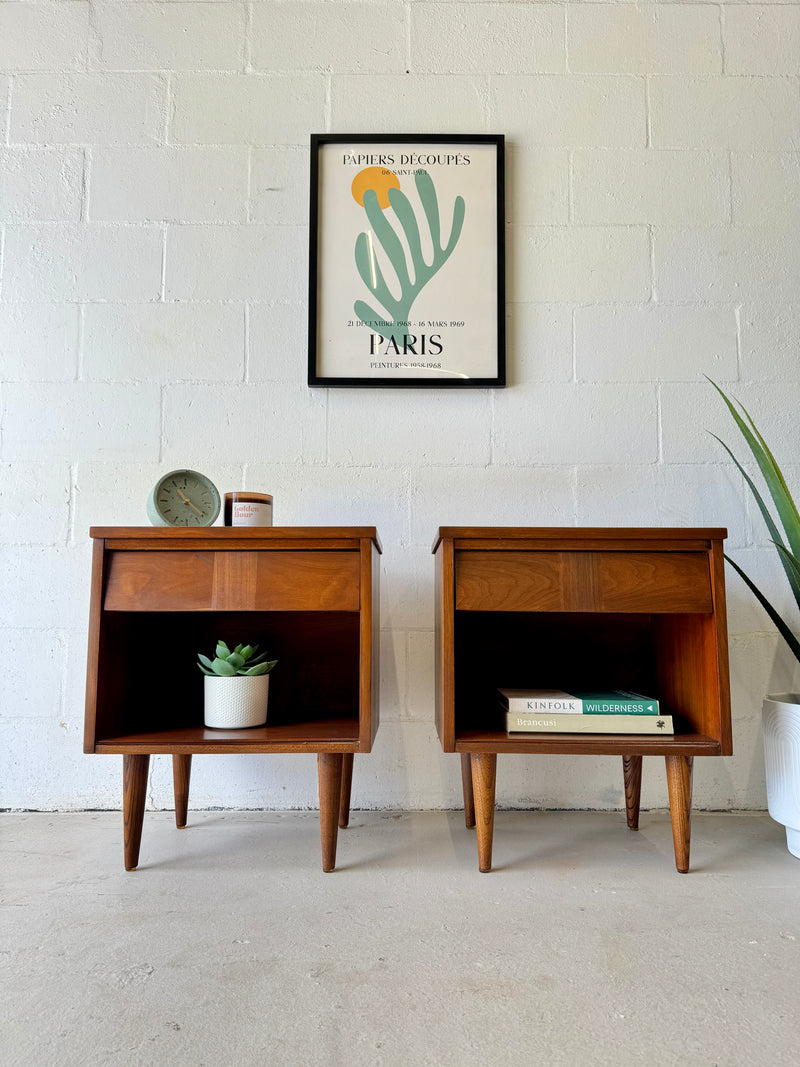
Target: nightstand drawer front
{"points": [[658, 582], [232, 581], [516, 581]]}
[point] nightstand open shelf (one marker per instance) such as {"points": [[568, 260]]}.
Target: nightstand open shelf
{"points": [[307, 596], [573, 609]]}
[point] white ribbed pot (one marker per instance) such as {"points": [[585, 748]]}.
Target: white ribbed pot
{"points": [[236, 703], [781, 719]]}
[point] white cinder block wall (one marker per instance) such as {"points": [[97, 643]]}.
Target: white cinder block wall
{"points": [[153, 260]]}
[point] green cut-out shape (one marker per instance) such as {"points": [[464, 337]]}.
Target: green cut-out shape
{"points": [[393, 322]]}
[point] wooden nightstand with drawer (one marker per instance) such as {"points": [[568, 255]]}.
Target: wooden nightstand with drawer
{"points": [[308, 595], [581, 609]]}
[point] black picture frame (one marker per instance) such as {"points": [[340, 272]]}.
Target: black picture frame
{"points": [[378, 230]]}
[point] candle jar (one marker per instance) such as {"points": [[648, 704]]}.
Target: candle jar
{"points": [[248, 509]]}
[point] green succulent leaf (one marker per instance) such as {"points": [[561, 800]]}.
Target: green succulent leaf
{"points": [[247, 651], [222, 650], [223, 668], [257, 659], [206, 671], [260, 668], [235, 660], [204, 662]]}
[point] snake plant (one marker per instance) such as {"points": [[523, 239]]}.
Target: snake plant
{"points": [[787, 539], [240, 660]]}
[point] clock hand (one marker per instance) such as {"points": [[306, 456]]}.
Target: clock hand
{"points": [[186, 500]]}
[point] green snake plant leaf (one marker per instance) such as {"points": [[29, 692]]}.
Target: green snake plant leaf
{"points": [[771, 472], [783, 629], [792, 563], [787, 541], [775, 534]]}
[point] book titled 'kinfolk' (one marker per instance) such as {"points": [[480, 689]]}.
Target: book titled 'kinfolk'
{"points": [[556, 702]]}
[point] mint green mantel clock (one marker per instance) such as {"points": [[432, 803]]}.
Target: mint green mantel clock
{"points": [[183, 498]]}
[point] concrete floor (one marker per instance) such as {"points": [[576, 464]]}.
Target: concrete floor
{"points": [[230, 946]]}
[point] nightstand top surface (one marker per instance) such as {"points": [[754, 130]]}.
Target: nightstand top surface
{"points": [[576, 534], [267, 535]]}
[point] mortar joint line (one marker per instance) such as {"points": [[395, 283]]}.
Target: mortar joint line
{"points": [[79, 369], [85, 183], [737, 314], [730, 187], [247, 43], [161, 421], [648, 122], [659, 424], [162, 296], [407, 28], [246, 314], [169, 105], [327, 103], [9, 97], [71, 509], [566, 40]]}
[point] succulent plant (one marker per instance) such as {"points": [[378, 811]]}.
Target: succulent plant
{"points": [[240, 660]]}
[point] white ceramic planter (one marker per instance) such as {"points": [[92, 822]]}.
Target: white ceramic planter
{"points": [[236, 703], [781, 719]]}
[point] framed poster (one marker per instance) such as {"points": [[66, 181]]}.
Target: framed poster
{"points": [[407, 260]]}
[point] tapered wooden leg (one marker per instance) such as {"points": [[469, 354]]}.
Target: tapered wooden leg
{"points": [[679, 784], [329, 771], [632, 773], [344, 796], [466, 788], [484, 776], [181, 772], [134, 794]]}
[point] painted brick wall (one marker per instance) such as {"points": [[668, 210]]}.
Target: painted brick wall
{"points": [[153, 258]]}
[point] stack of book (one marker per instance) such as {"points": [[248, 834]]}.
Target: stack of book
{"points": [[536, 711]]}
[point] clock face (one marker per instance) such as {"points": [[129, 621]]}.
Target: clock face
{"points": [[184, 498]]}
